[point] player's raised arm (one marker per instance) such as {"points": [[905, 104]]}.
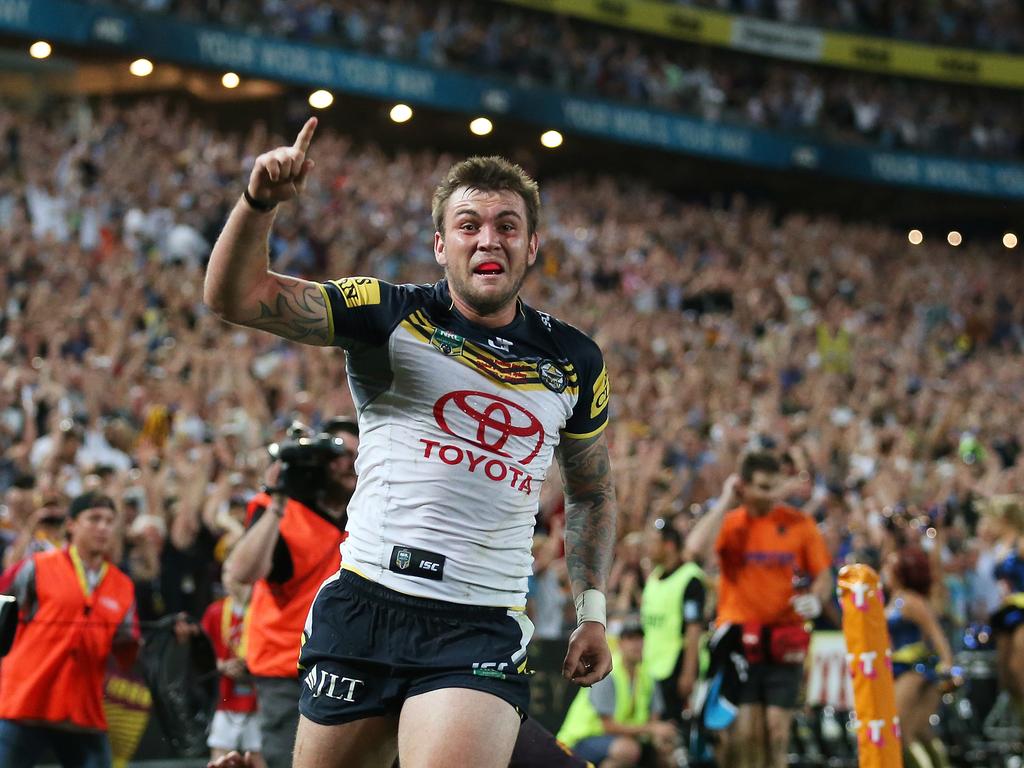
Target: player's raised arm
{"points": [[239, 284], [590, 520]]}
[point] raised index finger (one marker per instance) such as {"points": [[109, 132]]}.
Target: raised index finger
{"points": [[305, 137]]}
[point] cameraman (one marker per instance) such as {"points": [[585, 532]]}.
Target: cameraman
{"points": [[290, 548]]}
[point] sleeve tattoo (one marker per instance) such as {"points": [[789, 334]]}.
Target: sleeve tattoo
{"points": [[590, 511], [296, 311]]}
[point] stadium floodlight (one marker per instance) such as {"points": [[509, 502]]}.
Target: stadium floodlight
{"points": [[954, 238], [401, 113], [1010, 240], [915, 237], [481, 126], [230, 80], [40, 49], [321, 99], [551, 139], [141, 67]]}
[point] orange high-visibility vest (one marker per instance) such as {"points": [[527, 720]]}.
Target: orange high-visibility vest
{"points": [[56, 667], [279, 610]]}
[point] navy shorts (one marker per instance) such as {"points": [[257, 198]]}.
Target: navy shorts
{"points": [[367, 648]]}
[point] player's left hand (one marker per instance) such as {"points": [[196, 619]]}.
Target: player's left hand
{"points": [[588, 659]]}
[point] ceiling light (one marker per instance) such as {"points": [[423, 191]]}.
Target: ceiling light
{"points": [[481, 126], [551, 139], [320, 99], [401, 113], [40, 49], [141, 67]]}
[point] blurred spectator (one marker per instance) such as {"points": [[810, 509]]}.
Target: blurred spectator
{"points": [[236, 723], [76, 607], [611, 722], [673, 618]]}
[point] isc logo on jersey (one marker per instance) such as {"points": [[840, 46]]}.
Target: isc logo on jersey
{"points": [[493, 421]]}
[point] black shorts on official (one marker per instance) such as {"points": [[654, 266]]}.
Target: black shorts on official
{"points": [[774, 685], [368, 648]]}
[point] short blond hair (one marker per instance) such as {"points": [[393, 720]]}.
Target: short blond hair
{"points": [[1007, 507], [488, 174]]}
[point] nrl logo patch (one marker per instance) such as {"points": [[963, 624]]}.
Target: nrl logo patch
{"points": [[551, 375], [402, 558], [446, 343]]}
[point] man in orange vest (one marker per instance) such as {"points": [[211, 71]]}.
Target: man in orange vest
{"points": [[766, 551], [290, 548], [76, 607]]}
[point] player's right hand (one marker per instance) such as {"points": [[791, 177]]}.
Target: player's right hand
{"points": [[280, 174]]}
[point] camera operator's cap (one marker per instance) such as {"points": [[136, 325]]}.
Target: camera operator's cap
{"points": [[89, 500], [341, 424], [632, 629]]}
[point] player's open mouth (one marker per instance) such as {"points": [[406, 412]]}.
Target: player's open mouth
{"points": [[488, 268]]}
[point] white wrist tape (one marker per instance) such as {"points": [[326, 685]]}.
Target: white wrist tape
{"points": [[591, 606]]}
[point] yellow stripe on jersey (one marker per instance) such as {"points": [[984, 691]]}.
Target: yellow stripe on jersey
{"points": [[330, 312], [585, 435], [514, 374], [359, 291], [601, 392]]}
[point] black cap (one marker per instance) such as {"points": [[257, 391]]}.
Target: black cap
{"points": [[89, 500], [632, 629], [341, 424]]}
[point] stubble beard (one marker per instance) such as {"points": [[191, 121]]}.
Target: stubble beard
{"points": [[487, 304]]}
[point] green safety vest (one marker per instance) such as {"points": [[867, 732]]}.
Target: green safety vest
{"points": [[632, 705], [662, 614]]}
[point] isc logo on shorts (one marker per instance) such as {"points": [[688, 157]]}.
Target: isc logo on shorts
{"points": [[341, 688]]}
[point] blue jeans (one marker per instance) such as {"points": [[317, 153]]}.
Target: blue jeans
{"points": [[22, 746]]}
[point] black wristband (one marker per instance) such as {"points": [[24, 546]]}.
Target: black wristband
{"points": [[257, 205]]}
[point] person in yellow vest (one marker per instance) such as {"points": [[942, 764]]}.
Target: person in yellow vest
{"points": [[290, 548], [672, 612], [76, 608], [611, 723]]}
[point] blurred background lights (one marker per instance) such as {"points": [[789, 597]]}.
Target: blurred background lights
{"points": [[481, 126], [915, 237], [954, 238], [320, 99], [401, 113], [230, 80], [551, 139], [1010, 240], [141, 67], [40, 49]]}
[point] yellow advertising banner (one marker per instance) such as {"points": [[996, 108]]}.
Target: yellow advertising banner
{"points": [[795, 43]]}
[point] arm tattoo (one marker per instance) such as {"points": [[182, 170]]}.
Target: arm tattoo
{"points": [[590, 511], [299, 313]]}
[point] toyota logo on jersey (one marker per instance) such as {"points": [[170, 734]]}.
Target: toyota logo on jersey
{"points": [[488, 421]]}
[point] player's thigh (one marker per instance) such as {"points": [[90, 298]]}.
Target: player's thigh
{"points": [[457, 727], [368, 743]]}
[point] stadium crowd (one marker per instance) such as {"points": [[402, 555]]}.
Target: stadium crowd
{"points": [[534, 49], [994, 24], [888, 375]]}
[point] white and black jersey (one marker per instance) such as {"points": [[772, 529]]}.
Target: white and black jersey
{"points": [[457, 427]]}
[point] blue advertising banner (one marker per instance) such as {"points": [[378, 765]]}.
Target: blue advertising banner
{"points": [[211, 47]]}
